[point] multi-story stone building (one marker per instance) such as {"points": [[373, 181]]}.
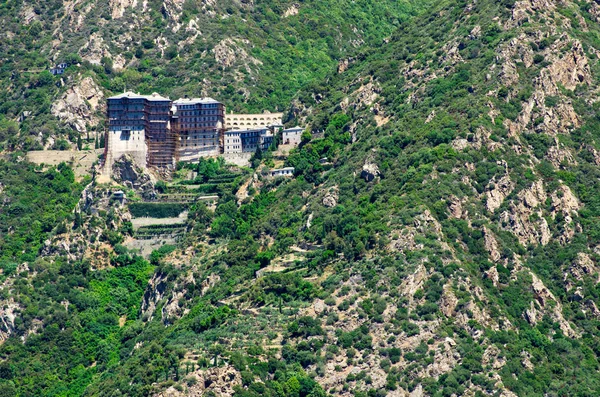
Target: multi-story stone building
{"points": [[157, 132], [292, 136], [199, 124], [138, 125], [247, 141]]}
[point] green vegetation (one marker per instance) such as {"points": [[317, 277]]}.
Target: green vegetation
{"points": [[35, 204], [467, 264], [156, 210]]}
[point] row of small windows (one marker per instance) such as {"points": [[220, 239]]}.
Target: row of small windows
{"points": [[254, 119], [196, 145], [190, 120], [197, 125], [197, 137], [196, 112], [203, 106]]}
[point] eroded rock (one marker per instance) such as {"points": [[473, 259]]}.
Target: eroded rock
{"points": [[79, 105]]}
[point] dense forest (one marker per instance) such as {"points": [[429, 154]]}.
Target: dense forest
{"points": [[440, 235]]}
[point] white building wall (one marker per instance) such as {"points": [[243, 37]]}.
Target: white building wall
{"points": [[252, 121], [134, 144]]}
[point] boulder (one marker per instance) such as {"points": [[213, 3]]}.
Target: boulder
{"points": [[370, 171]]}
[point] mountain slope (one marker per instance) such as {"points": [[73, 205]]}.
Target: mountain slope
{"points": [[449, 248], [253, 56]]}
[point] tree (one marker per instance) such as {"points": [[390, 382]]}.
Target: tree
{"points": [[305, 137], [45, 78]]}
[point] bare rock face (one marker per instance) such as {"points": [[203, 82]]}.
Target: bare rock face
{"points": [[414, 281], [292, 10], [548, 303], [210, 282], [500, 190], [78, 106], [127, 172], [448, 302], [8, 313], [228, 51], [94, 50], [370, 171], [455, 208], [118, 7], [491, 356], [524, 218], [564, 201], [423, 224], [343, 66], [367, 94], [491, 245], [581, 267], [173, 8], [568, 67], [493, 275], [219, 380], [155, 291], [572, 69], [445, 358], [524, 8], [172, 311], [331, 197], [559, 156]]}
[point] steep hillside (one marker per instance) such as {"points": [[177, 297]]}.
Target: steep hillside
{"points": [[447, 245], [252, 55]]}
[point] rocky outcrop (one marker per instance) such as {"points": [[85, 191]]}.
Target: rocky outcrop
{"points": [[524, 8], [8, 313], [448, 302], [125, 171], [404, 240], [455, 208], [568, 67], [414, 282], [370, 171], [481, 138], [525, 218], [331, 197], [572, 68], [564, 201], [220, 381], [79, 105], [118, 7], [172, 9], [491, 245], [155, 292], [549, 304], [498, 191], [445, 359], [94, 50], [228, 51], [292, 10], [209, 282], [491, 356], [560, 156], [581, 267]]}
